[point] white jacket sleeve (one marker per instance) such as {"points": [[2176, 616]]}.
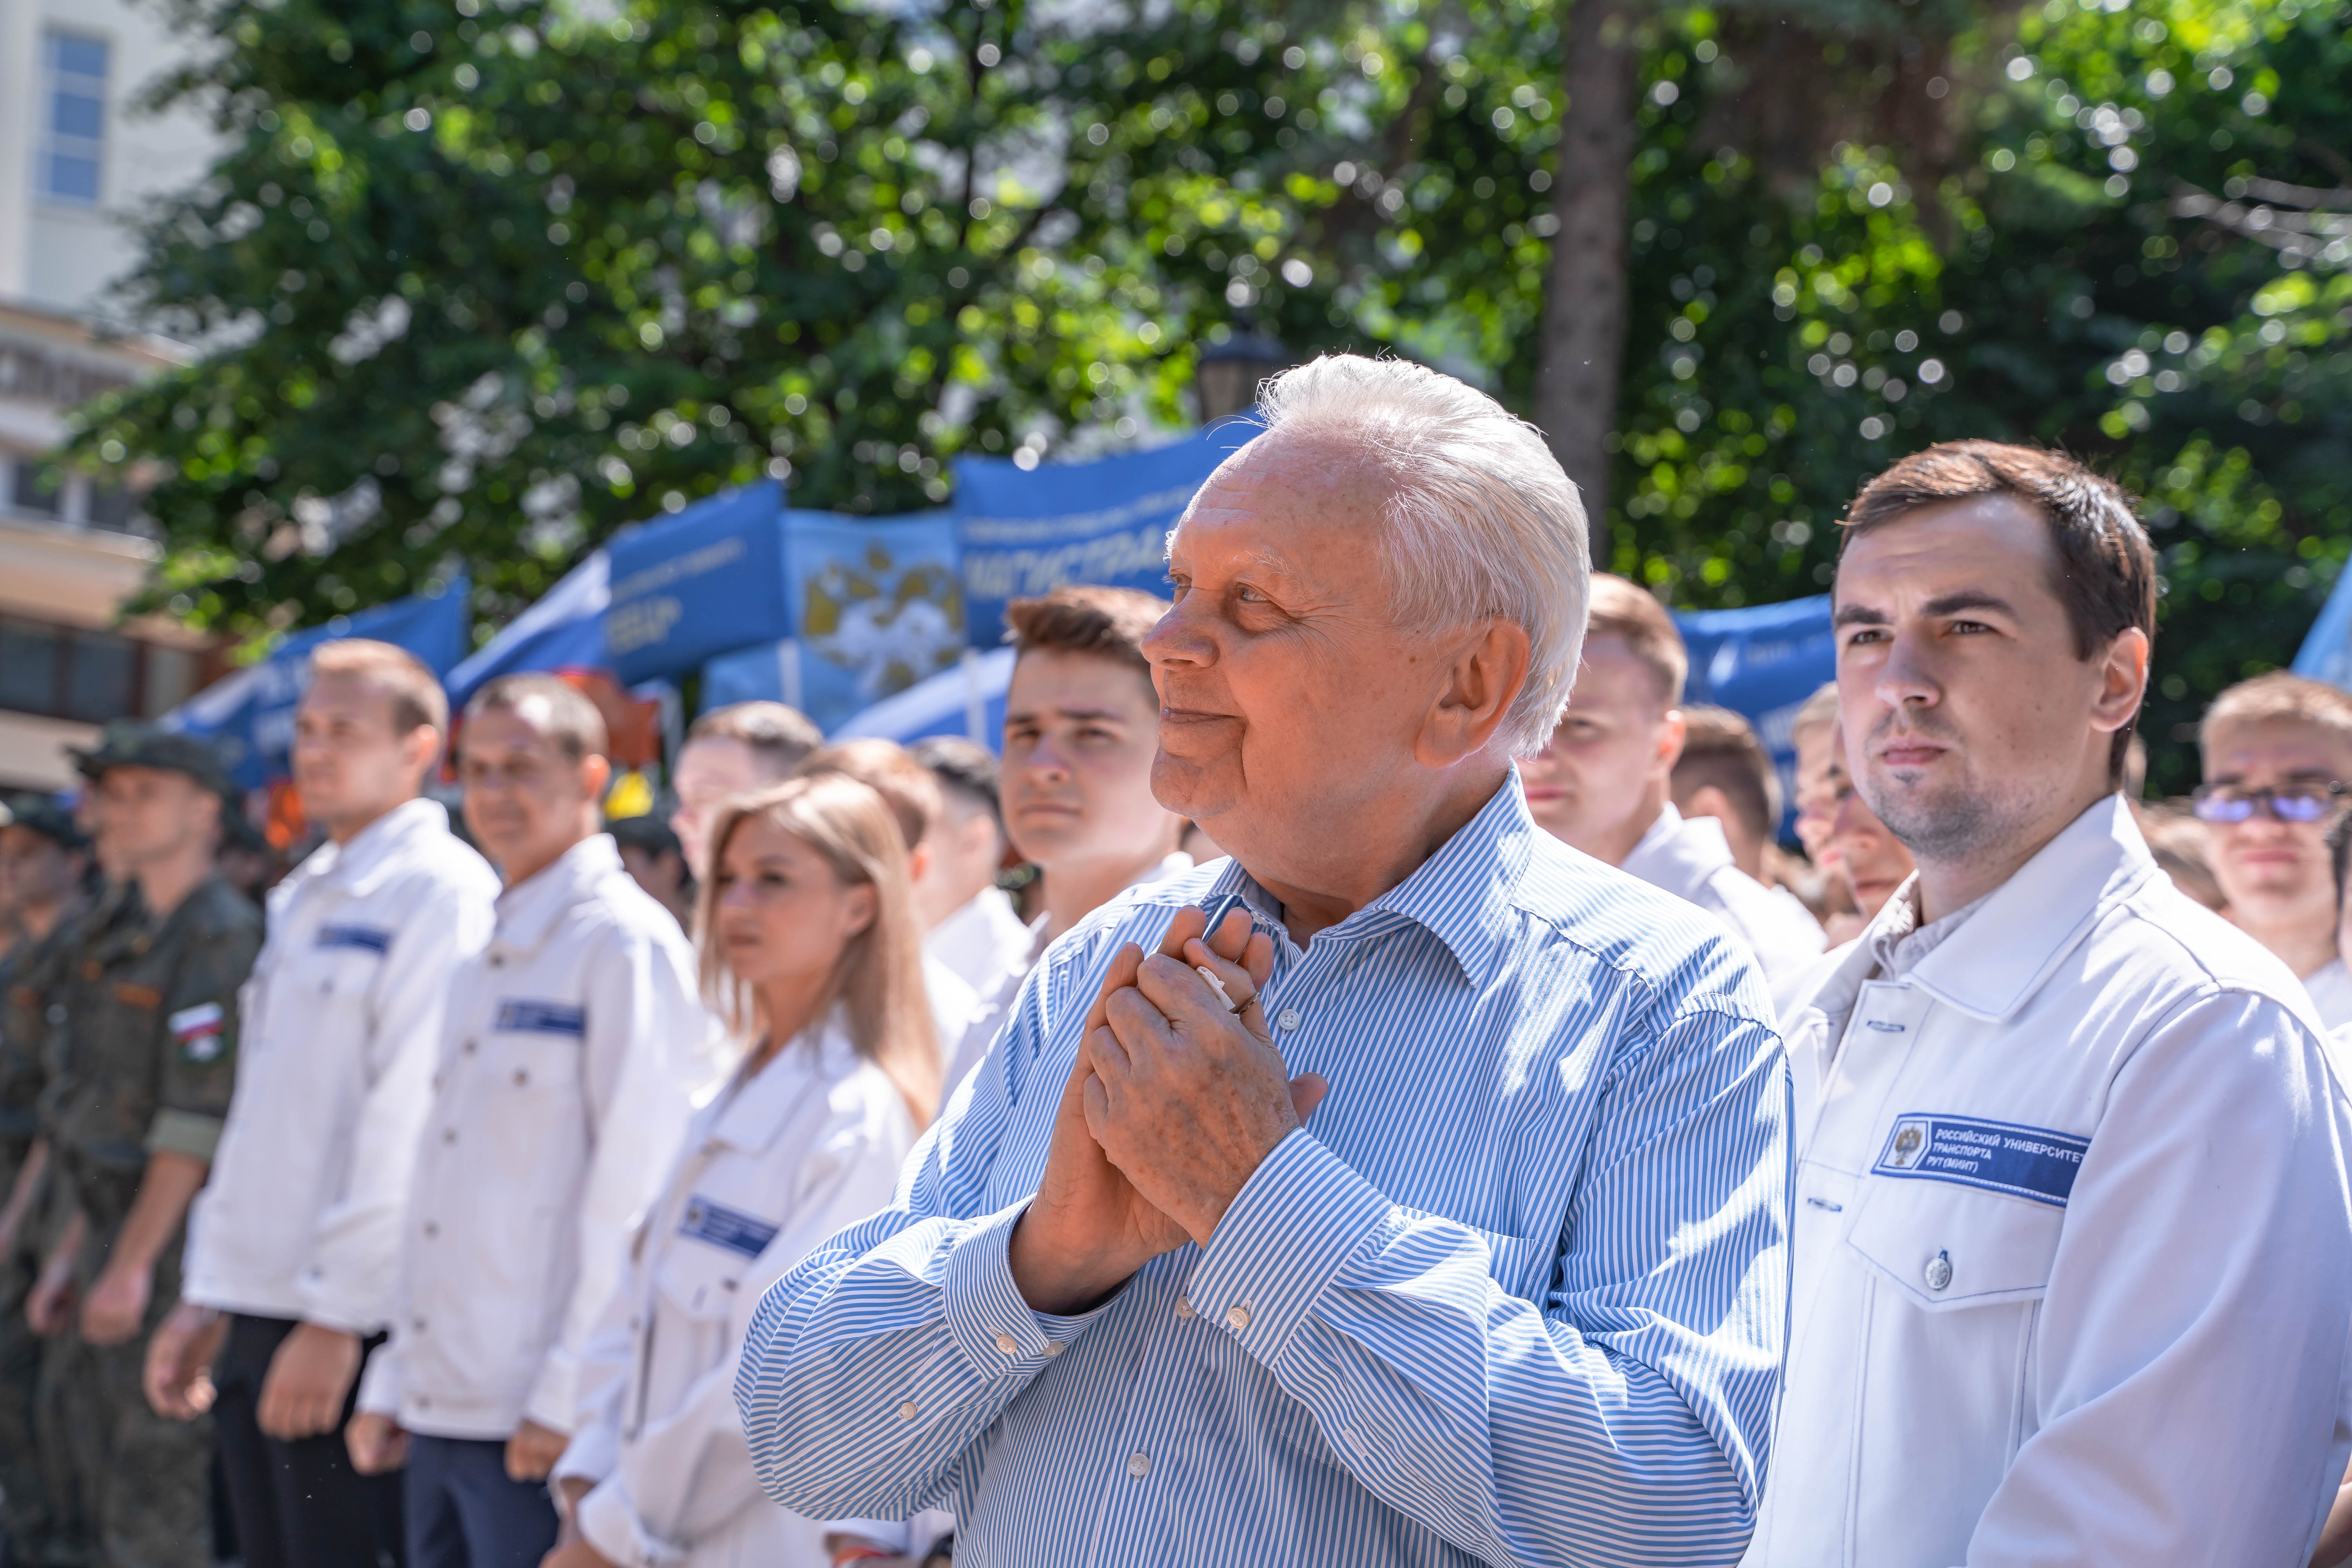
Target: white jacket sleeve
{"points": [[2191, 1357], [645, 1055], [604, 1380], [689, 1472], [351, 1279]]}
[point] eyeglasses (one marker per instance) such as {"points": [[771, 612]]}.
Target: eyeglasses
{"points": [[2302, 803]]}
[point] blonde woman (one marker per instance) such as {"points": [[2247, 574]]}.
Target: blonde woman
{"points": [[810, 949]]}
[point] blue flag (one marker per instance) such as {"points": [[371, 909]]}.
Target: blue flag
{"points": [[1762, 662], [1028, 531], [705, 581], [248, 716], [564, 630]]}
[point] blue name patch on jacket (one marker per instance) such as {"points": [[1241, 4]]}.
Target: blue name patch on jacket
{"points": [[367, 939], [722, 1227], [541, 1018], [2025, 1162]]}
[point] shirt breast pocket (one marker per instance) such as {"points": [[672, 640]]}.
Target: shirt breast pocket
{"points": [[707, 1259], [1945, 1246]]}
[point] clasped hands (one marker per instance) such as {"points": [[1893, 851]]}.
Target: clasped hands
{"points": [[1175, 1099]]}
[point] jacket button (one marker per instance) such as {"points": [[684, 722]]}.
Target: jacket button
{"points": [[522, 1076], [1938, 1271], [468, 1048], [431, 1228], [449, 1135]]}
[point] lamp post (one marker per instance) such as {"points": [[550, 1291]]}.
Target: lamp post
{"points": [[1226, 379]]}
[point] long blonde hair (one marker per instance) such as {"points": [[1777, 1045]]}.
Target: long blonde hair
{"points": [[878, 978]]}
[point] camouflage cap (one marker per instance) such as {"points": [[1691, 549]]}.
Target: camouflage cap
{"points": [[45, 816], [145, 746]]}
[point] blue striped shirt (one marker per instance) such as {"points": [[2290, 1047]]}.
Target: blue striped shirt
{"points": [[1515, 1294]]}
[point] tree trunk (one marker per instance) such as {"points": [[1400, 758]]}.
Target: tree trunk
{"points": [[1583, 347]]}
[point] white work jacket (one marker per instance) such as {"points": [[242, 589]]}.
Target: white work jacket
{"points": [[573, 1051], [2073, 1239], [1689, 857], [981, 944], [786, 1157], [300, 1217]]}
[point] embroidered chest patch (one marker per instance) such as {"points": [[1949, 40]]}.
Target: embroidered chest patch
{"points": [[525, 1018], [198, 1031], [1999, 1156], [724, 1227], [363, 938]]}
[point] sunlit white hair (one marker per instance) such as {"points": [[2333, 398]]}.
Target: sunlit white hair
{"points": [[1481, 523]]}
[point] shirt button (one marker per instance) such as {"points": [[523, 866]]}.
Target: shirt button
{"points": [[416, 1323], [1008, 1344], [432, 1229], [523, 1075], [1053, 1347], [498, 961], [449, 1135], [1237, 1317], [1138, 1465], [1184, 1308], [1938, 1271], [468, 1048], [1289, 1019], [907, 1411]]}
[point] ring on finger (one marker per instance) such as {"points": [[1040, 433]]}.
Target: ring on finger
{"points": [[1217, 985]]}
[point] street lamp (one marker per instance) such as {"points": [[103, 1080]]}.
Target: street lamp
{"points": [[1226, 379]]}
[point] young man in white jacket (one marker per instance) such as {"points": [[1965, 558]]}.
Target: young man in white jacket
{"points": [[294, 1244], [2074, 1237], [1605, 783], [571, 1052]]}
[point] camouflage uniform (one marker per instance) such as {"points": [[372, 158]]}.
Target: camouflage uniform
{"points": [[146, 1061]]}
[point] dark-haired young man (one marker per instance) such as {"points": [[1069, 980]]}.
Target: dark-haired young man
{"points": [[2073, 1243], [294, 1245], [571, 1049]]}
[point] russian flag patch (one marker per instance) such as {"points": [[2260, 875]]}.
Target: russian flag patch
{"points": [[199, 1031]]}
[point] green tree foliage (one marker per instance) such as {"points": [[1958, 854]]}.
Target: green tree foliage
{"points": [[495, 282]]}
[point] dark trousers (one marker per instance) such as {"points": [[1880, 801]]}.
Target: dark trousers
{"points": [[298, 1504], [464, 1513]]}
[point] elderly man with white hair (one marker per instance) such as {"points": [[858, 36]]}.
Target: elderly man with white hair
{"points": [[1422, 1197]]}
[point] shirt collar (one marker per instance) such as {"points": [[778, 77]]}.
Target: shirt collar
{"points": [[2021, 931], [527, 911], [1679, 850], [760, 1105], [1463, 895], [360, 863]]}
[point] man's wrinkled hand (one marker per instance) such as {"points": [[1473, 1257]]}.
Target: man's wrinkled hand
{"points": [[1189, 1095], [1088, 1229], [177, 1374], [532, 1451], [309, 1377], [376, 1444], [117, 1305]]}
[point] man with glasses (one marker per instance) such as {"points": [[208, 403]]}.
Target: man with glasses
{"points": [[2276, 749]]}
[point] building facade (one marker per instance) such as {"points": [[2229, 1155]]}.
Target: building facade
{"points": [[79, 161]]}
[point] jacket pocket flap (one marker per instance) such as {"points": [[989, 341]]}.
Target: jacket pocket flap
{"points": [[1948, 1245]]}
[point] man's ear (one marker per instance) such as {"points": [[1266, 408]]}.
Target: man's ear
{"points": [[595, 774], [419, 749], [1670, 732], [2123, 681], [1488, 671]]}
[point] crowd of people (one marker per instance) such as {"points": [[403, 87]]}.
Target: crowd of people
{"points": [[1508, 1152]]}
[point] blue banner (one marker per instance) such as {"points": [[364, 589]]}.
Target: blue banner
{"points": [[875, 606], [1028, 531], [564, 630], [2326, 651], [705, 581], [968, 700], [249, 715], [1762, 662]]}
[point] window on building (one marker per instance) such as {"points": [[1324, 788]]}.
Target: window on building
{"points": [[94, 677], [33, 487], [73, 124]]}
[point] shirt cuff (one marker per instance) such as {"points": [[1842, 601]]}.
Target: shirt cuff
{"points": [[1293, 1226], [186, 1132], [554, 1399], [1000, 1333], [328, 1308], [614, 1529], [594, 1453], [379, 1383]]}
